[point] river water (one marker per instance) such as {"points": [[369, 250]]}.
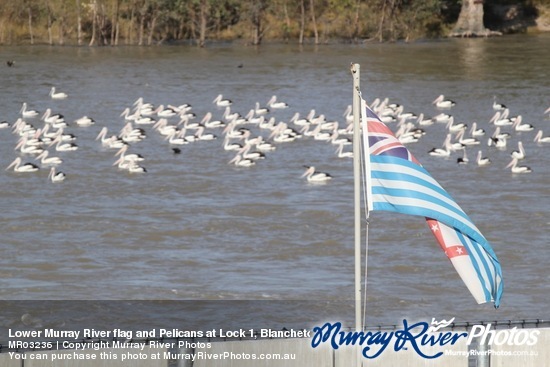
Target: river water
{"points": [[196, 238]]}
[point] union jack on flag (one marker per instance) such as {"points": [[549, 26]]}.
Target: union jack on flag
{"points": [[397, 182]]}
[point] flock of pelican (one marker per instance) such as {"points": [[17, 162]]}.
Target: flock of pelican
{"points": [[243, 135], [459, 136]]}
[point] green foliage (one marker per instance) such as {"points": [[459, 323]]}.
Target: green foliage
{"points": [[176, 20]]}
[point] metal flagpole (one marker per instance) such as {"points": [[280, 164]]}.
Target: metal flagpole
{"points": [[355, 71]]}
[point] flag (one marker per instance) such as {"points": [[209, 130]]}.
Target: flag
{"points": [[397, 182]]}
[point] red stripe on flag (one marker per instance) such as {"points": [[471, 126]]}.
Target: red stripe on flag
{"points": [[455, 251], [450, 250]]}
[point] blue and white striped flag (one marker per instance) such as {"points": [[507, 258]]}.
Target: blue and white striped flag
{"points": [[397, 182]]}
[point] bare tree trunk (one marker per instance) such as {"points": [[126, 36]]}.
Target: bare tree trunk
{"points": [[94, 22], [49, 11], [202, 31], [470, 21], [256, 15], [381, 24], [153, 24], [355, 28], [30, 25], [62, 24], [78, 23], [62, 30], [114, 24], [287, 22], [103, 40], [302, 22], [141, 28], [130, 35], [314, 21]]}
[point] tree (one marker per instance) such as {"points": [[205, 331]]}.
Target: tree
{"points": [[470, 21]]}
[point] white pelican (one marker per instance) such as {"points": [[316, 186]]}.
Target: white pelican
{"points": [[299, 121], [29, 149], [313, 176], [260, 110], [500, 135], [130, 134], [497, 142], [520, 153], [4, 124], [228, 145], [122, 163], [28, 113], [23, 128], [182, 108], [336, 139], [26, 167], [52, 118], [276, 105], [64, 137], [541, 139], [281, 133], [464, 159], [501, 118], [442, 117], [442, 152], [267, 124], [424, 122], [176, 140], [165, 112], [404, 115], [497, 106], [127, 116], [187, 123], [85, 121], [518, 126], [252, 119], [58, 95], [63, 147], [201, 135], [209, 123], [342, 154], [111, 142], [518, 169], [188, 138], [144, 120], [348, 114], [318, 134], [221, 102], [441, 102], [136, 168], [247, 154], [139, 104], [264, 146], [163, 128], [451, 126], [230, 131], [405, 134], [482, 161], [134, 157], [49, 161], [56, 177], [466, 141], [474, 131], [239, 161]]}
